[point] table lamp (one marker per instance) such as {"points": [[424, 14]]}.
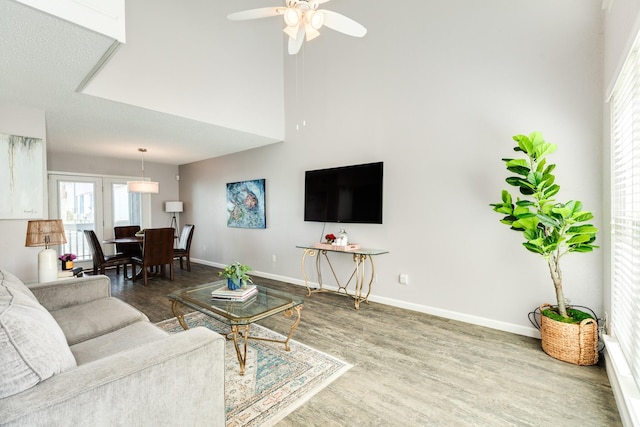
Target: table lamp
{"points": [[46, 232]]}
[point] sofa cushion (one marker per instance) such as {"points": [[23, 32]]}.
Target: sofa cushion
{"points": [[34, 347], [92, 319], [11, 281], [126, 338]]}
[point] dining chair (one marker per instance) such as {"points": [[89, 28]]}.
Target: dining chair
{"points": [[102, 261], [157, 250], [184, 246], [128, 249]]}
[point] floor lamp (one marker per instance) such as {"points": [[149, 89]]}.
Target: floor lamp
{"points": [[173, 207], [46, 232]]}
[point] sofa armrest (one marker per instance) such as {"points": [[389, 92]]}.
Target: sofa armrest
{"points": [[178, 379], [65, 293]]}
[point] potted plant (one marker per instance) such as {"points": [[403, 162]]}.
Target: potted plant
{"points": [[551, 229], [67, 261], [236, 275]]}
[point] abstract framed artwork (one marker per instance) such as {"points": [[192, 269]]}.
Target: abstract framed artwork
{"points": [[22, 173], [246, 204]]}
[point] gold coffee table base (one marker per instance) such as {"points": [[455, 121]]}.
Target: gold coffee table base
{"points": [[240, 333]]}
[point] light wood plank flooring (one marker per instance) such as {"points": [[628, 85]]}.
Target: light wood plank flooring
{"points": [[413, 369]]}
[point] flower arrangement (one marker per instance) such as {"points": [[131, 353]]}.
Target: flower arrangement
{"points": [[236, 273], [330, 238], [67, 257]]}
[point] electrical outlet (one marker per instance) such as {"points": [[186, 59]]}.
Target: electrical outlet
{"points": [[273, 258], [404, 279]]}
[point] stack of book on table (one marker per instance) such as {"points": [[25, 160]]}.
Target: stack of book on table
{"points": [[242, 294]]}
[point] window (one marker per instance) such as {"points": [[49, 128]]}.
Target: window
{"points": [[93, 203], [625, 227]]}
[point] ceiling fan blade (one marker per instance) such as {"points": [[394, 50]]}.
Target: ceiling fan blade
{"points": [[296, 42], [341, 23], [263, 12]]}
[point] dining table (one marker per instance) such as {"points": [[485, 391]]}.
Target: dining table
{"points": [[128, 240]]}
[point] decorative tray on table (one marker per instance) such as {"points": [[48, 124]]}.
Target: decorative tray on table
{"points": [[330, 247]]}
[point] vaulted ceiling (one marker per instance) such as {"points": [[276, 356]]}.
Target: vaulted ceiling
{"points": [[187, 84]]}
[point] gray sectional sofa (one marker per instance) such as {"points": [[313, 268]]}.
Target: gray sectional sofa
{"points": [[72, 355]]}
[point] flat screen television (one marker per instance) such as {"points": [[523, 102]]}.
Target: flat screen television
{"points": [[349, 194]]}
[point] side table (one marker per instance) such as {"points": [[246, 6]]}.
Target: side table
{"points": [[359, 276]]}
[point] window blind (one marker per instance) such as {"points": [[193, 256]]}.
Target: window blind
{"points": [[625, 213]]}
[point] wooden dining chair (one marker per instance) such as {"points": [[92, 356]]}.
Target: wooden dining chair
{"points": [[127, 249], [102, 261], [131, 249], [157, 250], [184, 246]]}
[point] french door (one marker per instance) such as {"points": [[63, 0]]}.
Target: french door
{"points": [[93, 203]]}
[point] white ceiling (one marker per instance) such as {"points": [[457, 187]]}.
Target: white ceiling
{"points": [[188, 84]]}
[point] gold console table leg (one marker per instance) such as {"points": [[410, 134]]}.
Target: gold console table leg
{"points": [[358, 275]]}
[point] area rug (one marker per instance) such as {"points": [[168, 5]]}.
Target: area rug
{"points": [[276, 382]]}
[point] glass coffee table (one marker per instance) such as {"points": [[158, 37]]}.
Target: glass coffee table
{"points": [[239, 315]]}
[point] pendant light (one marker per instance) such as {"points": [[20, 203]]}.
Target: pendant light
{"points": [[143, 186]]}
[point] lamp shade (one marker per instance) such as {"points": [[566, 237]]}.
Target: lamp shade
{"points": [[45, 232], [143, 187], [173, 206]]}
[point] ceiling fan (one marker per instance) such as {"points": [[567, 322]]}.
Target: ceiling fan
{"points": [[303, 18]]}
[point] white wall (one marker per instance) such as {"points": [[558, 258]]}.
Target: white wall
{"points": [[435, 90], [20, 260]]}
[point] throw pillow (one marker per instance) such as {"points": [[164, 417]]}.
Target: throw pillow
{"points": [[34, 347]]}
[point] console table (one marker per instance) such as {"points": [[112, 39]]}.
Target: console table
{"points": [[360, 257]]}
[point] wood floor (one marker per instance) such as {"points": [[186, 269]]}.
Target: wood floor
{"points": [[413, 369]]}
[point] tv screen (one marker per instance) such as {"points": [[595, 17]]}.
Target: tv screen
{"points": [[351, 194]]}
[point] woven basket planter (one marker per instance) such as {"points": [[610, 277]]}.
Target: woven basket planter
{"points": [[575, 343]]}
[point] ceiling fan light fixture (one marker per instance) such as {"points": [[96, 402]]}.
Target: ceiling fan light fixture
{"points": [[291, 31], [315, 19], [292, 17], [311, 32]]}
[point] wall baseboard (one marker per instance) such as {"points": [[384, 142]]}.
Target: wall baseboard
{"points": [[447, 314]]}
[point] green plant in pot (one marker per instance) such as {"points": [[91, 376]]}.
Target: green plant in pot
{"points": [[550, 228], [236, 275]]}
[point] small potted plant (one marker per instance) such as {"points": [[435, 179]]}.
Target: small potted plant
{"points": [[551, 229], [236, 275], [67, 261], [330, 238]]}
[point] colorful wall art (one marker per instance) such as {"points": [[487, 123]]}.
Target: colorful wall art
{"points": [[245, 204]]}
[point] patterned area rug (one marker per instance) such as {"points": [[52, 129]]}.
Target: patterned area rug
{"points": [[276, 381]]}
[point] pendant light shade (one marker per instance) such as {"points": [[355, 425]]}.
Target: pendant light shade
{"points": [[143, 186]]}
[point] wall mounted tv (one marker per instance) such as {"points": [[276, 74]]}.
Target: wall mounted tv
{"points": [[351, 194]]}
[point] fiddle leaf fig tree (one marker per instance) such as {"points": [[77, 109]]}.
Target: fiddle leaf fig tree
{"points": [[550, 228]]}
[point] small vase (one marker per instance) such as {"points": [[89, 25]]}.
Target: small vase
{"points": [[232, 285], [67, 265], [343, 238]]}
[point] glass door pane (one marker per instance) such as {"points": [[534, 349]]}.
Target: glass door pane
{"points": [[126, 207], [78, 202], [121, 207]]}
